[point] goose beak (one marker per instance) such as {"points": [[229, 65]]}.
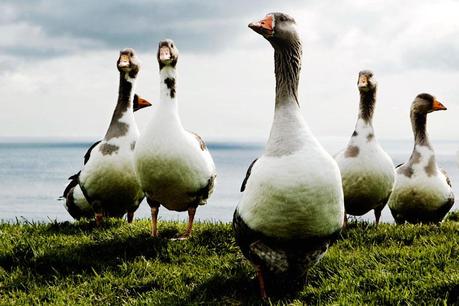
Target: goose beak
{"points": [[164, 53], [143, 103], [123, 61], [264, 26], [438, 106], [363, 81], [140, 103]]}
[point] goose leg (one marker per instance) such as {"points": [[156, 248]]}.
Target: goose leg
{"points": [[261, 283], [377, 215], [154, 205], [189, 228], [154, 221], [99, 218], [130, 216], [345, 221], [98, 211]]}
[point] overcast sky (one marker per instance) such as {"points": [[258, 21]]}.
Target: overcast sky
{"points": [[58, 75]]}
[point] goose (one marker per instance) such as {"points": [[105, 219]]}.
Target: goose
{"points": [[75, 202], [367, 171], [292, 202], [108, 179], [422, 191], [174, 166]]}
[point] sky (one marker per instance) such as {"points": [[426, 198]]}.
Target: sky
{"points": [[58, 75]]}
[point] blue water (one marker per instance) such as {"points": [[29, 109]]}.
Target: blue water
{"points": [[33, 176]]}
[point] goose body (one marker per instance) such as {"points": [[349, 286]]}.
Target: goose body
{"points": [[108, 179], [288, 196], [422, 192], [174, 166], [75, 201], [291, 208], [367, 171]]}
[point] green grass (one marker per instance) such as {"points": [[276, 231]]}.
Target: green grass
{"points": [[76, 263]]}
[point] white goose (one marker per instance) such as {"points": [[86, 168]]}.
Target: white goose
{"points": [[292, 203], [108, 180], [174, 166], [366, 169], [75, 202], [422, 192]]}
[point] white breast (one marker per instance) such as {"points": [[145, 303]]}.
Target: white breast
{"points": [[110, 169], [294, 196], [420, 190], [367, 170], [171, 164]]}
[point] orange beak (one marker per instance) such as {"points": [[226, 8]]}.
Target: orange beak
{"points": [[264, 26], [140, 103], [438, 106]]}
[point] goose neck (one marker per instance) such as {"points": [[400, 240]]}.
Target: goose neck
{"points": [[168, 83], [367, 105], [287, 67], [418, 123], [123, 114]]}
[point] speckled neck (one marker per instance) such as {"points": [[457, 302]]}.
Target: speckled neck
{"points": [[418, 124], [287, 66], [288, 128], [124, 106], [367, 105], [168, 85], [168, 105]]}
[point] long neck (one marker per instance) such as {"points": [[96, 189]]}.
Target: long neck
{"points": [[364, 124], [418, 123], [168, 94], [124, 108], [423, 152], [287, 66], [288, 128], [367, 105]]}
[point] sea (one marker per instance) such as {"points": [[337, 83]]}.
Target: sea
{"points": [[33, 175]]}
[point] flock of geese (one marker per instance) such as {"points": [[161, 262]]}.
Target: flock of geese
{"points": [[295, 197]]}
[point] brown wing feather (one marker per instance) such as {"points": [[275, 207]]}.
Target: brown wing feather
{"points": [[447, 177], [201, 142]]}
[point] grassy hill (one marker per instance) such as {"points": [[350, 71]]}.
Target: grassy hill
{"points": [[76, 263]]}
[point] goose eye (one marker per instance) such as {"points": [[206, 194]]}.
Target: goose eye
{"points": [[172, 45]]}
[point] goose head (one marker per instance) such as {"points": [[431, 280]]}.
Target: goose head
{"points": [[425, 103], [140, 103], [366, 81], [128, 62], [278, 28], [167, 53]]}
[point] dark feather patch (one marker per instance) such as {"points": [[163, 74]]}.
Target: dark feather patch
{"points": [[447, 177], [203, 194], [249, 171], [170, 83], [108, 149], [284, 262]]}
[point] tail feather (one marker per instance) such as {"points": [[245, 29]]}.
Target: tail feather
{"points": [[275, 260]]}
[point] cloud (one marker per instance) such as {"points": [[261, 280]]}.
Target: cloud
{"points": [[206, 26], [57, 63]]}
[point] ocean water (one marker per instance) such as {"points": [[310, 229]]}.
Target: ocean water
{"points": [[33, 176]]}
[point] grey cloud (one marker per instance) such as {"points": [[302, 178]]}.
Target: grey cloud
{"points": [[207, 26], [436, 56]]}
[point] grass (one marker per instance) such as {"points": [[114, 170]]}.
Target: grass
{"points": [[76, 263]]}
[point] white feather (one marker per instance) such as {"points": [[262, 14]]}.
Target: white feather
{"points": [[169, 160]]}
